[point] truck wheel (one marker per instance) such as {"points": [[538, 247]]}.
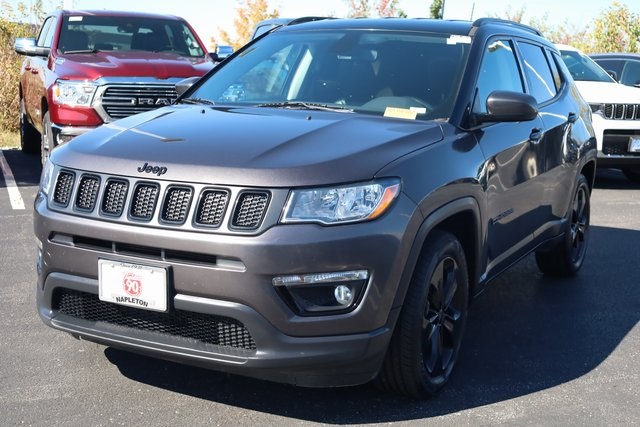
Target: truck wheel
{"points": [[29, 136], [427, 337], [48, 143], [566, 258], [632, 174]]}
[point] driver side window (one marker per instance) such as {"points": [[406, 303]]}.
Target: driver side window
{"points": [[499, 71]]}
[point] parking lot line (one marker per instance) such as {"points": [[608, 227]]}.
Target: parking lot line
{"points": [[14, 194]]}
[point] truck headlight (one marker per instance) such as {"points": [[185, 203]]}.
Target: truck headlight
{"points": [[73, 94], [340, 204]]}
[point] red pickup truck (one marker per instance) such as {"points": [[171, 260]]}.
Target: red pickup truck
{"points": [[87, 68]]}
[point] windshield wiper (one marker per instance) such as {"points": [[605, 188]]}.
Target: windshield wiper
{"points": [[298, 105], [197, 101], [82, 51]]}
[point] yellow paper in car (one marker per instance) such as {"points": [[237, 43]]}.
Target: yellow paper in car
{"points": [[400, 113]]}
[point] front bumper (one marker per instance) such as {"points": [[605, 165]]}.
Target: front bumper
{"points": [[64, 134], [613, 142], [323, 350]]}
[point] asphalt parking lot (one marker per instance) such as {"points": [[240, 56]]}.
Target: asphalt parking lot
{"points": [[536, 352]]}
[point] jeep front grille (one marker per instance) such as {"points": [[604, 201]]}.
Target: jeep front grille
{"points": [[250, 209], [119, 101], [205, 328], [160, 204], [621, 111], [144, 200]]}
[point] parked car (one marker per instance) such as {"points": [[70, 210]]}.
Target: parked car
{"points": [[321, 207], [616, 112], [87, 68], [624, 67], [223, 51]]}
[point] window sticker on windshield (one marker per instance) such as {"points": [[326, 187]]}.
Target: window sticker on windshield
{"points": [[455, 39], [401, 113], [75, 18]]}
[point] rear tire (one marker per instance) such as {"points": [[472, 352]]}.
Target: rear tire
{"points": [[427, 337], [632, 174], [29, 136], [566, 258]]}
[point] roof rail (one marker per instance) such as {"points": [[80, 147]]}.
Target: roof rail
{"points": [[486, 21], [307, 19]]}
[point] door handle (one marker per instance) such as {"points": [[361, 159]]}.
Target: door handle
{"points": [[535, 136], [572, 117]]}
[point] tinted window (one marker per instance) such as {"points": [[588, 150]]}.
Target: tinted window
{"points": [[83, 32], [631, 73], [45, 37], [583, 68], [611, 65], [499, 71], [365, 71], [536, 67]]}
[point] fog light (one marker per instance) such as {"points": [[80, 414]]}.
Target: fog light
{"points": [[343, 295], [322, 293]]}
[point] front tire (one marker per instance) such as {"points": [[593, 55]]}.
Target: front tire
{"points": [[427, 337], [29, 136], [566, 258]]}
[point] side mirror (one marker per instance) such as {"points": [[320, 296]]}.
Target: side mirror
{"points": [[184, 85], [214, 56], [25, 46], [506, 106]]}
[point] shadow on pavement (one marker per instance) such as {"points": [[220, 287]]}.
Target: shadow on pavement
{"points": [[25, 168], [527, 333]]}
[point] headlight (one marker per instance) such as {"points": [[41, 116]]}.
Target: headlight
{"points": [[46, 178], [340, 204], [73, 94]]}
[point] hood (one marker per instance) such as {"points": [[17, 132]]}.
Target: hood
{"points": [[261, 147], [92, 66], [608, 93]]}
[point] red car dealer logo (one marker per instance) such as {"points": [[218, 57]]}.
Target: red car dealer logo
{"points": [[132, 284]]}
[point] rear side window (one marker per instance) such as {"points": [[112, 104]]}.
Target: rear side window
{"points": [[541, 83], [499, 71]]}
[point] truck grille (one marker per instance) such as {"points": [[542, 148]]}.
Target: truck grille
{"points": [[119, 101], [209, 329], [150, 202]]}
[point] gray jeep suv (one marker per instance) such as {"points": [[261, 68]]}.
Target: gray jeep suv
{"points": [[321, 208]]}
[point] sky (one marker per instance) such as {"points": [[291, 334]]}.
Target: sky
{"points": [[209, 16]]}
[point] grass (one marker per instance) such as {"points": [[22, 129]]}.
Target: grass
{"points": [[9, 140]]}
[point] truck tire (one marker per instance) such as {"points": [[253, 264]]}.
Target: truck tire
{"points": [[566, 258], [427, 337], [29, 136]]}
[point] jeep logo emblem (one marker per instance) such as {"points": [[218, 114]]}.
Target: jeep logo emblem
{"points": [[156, 170], [153, 101]]}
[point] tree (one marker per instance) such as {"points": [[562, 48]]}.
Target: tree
{"points": [[382, 8], [435, 11], [12, 26], [249, 13], [616, 30]]}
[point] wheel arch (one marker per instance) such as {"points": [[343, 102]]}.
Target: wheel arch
{"points": [[461, 218]]}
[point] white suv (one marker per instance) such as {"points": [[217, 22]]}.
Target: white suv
{"points": [[616, 112]]}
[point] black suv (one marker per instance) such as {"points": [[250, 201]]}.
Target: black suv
{"points": [[322, 206]]}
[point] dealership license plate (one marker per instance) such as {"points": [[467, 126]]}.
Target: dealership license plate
{"points": [[133, 285], [634, 144]]}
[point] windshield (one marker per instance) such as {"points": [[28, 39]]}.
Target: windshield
{"points": [[361, 71], [583, 68], [81, 33]]}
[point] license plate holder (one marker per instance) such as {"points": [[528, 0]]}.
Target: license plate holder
{"points": [[634, 144], [133, 285]]}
